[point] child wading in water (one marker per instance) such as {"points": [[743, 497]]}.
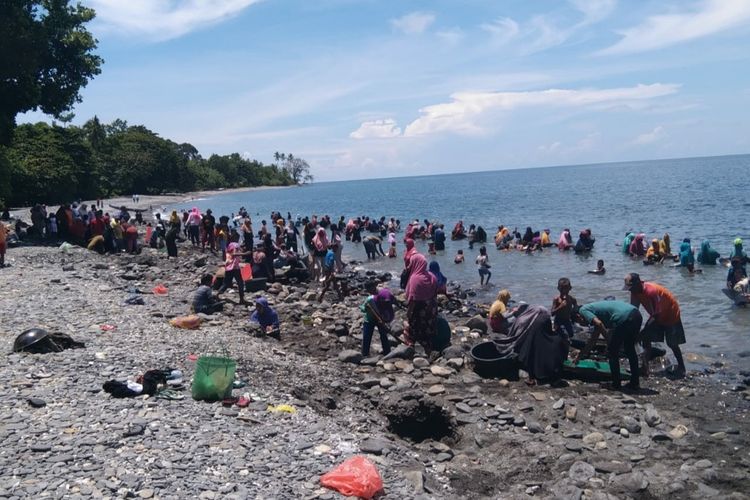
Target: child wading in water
{"points": [[459, 258], [378, 310], [599, 268], [562, 308], [484, 266]]}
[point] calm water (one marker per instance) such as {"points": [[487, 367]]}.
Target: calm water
{"points": [[696, 198]]}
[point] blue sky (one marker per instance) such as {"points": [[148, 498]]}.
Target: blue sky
{"points": [[381, 88]]}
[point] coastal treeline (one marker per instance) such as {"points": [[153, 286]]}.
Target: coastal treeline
{"points": [[52, 163]]}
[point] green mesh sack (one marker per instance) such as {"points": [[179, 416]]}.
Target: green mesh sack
{"points": [[213, 378]]}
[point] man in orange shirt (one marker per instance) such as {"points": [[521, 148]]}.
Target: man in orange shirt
{"points": [[664, 322]]}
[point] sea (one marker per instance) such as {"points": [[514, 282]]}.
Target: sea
{"points": [[696, 198]]}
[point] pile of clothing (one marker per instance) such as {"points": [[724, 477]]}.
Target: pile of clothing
{"points": [[154, 383]]}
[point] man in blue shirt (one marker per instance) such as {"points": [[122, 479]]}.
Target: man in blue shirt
{"points": [[619, 323]]}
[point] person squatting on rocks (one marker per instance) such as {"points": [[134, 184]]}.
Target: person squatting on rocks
{"points": [[266, 318], [203, 298]]}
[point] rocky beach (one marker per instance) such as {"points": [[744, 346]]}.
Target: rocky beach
{"points": [[433, 429]]}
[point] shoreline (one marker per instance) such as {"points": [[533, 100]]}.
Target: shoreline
{"points": [[158, 200], [681, 438]]}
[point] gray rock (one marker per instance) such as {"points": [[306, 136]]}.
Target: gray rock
{"points": [[40, 448], [420, 363], [567, 492], [559, 404], [463, 407], [630, 483], [610, 466], [36, 402], [652, 417], [350, 356], [374, 446], [581, 472], [477, 323], [631, 424], [535, 427], [443, 457]]}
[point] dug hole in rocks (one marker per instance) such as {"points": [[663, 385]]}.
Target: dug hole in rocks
{"points": [[417, 418]]}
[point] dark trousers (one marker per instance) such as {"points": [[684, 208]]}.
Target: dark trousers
{"points": [[367, 330], [229, 277], [625, 335], [194, 233]]}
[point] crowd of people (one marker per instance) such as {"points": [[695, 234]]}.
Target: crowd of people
{"points": [[274, 245]]}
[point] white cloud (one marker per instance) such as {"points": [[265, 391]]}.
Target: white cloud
{"points": [[550, 147], [377, 129], [414, 23], [544, 31], [461, 114], [709, 17], [163, 19], [594, 10], [452, 36], [502, 29], [650, 137]]}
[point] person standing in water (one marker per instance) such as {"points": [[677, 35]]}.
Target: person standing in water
{"points": [[664, 322], [483, 266]]}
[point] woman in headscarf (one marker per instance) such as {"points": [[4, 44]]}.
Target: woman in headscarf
{"points": [[585, 242], [498, 320], [171, 236], [653, 254], [687, 259], [265, 316], [637, 246], [665, 247], [320, 247], [738, 251], [410, 250], [565, 241], [629, 237], [528, 236], [422, 310], [193, 226], [459, 232], [441, 280], [707, 255], [540, 351]]}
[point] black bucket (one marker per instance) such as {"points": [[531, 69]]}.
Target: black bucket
{"points": [[256, 285], [489, 362]]}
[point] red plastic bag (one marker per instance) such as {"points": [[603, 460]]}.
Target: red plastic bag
{"points": [[160, 290], [357, 477]]}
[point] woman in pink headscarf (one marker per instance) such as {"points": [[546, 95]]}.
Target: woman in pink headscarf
{"points": [[422, 310], [193, 226], [566, 240], [320, 247], [410, 250]]}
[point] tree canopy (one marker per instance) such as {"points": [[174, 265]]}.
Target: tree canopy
{"points": [[47, 57], [297, 168], [50, 164]]}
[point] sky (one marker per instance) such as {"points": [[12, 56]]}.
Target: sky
{"points": [[384, 88]]}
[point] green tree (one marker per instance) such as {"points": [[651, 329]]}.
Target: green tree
{"points": [[47, 57], [297, 169]]}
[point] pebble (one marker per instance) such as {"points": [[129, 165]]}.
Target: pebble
{"points": [[581, 472], [559, 404], [420, 362], [571, 412], [441, 371], [436, 389], [593, 438]]}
